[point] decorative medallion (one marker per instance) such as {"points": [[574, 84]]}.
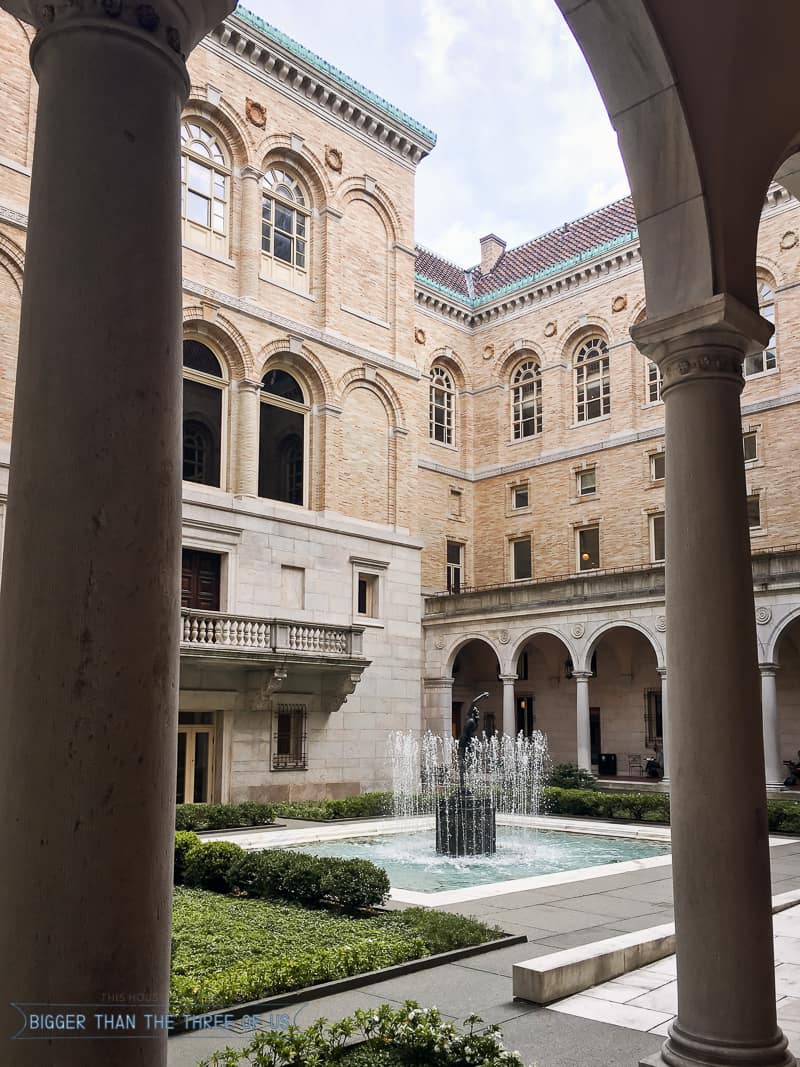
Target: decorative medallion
{"points": [[577, 629], [488, 352], [619, 303], [504, 637], [419, 335], [550, 329], [439, 643], [255, 112], [789, 240], [661, 623], [763, 616], [333, 158]]}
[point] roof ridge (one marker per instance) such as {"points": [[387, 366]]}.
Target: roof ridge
{"points": [[317, 61], [569, 223]]}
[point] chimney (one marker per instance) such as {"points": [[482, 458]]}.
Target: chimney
{"points": [[492, 248]]}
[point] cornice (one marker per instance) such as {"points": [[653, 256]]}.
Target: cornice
{"points": [[288, 65]]}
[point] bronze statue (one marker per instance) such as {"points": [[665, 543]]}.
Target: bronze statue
{"points": [[468, 732]]}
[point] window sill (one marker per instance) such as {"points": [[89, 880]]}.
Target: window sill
{"points": [[209, 255], [368, 620], [287, 288], [525, 440], [364, 315], [758, 531], [512, 513], [761, 374], [655, 483], [585, 499], [590, 422], [443, 444], [652, 404]]}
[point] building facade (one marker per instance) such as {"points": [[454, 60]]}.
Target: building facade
{"points": [[363, 550]]}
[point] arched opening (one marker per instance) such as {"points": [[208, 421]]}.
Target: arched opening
{"points": [[787, 685], [544, 696], [476, 670], [625, 703], [203, 414], [205, 188], [283, 445], [285, 228]]}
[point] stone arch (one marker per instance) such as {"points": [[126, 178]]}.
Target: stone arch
{"points": [[638, 313], [365, 376], [516, 649], [277, 149], [224, 120], [770, 271], [452, 361], [777, 632], [301, 359], [578, 331], [223, 336], [515, 353], [13, 259], [367, 460], [465, 639], [583, 663], [357, 189]]}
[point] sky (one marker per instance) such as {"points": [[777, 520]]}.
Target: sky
{"points": [[524, 142]]}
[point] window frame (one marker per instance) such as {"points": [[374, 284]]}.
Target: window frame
{"points": [[222, 384], [447, 390], [750, 435], [769, 355], [276, 268], [524, 487], [584, 472], [526, 388], [513, 542], [298, 408], [592, 358], [755, 495], [580, 532], [454, 569], [655, 457], [653, 382], [297, 757], [221, 169], [654, 518], [374, 572]]}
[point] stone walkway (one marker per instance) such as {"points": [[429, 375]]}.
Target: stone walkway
{"points": [[552, 917]]}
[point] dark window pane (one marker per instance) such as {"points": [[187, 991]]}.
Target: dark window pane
{"points": [[284, 219], [282, 247], [522, 558], [197, 356]]}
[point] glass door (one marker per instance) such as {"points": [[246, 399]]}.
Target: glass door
{"points": [[195, 757]]}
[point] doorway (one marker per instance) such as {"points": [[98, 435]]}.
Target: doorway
{"points": [[595, 737], [526, 716], [195, 772]]}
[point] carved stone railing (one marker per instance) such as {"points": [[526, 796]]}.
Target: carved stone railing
{"points": [[216, 630]]}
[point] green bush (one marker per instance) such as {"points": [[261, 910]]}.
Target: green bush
{"points": [[185, 841], [783, 816], [394, 1037], [208, 864], [271, 873], [223, 816], [443, 932], [589, 803], [571, 776], [365, 806]]}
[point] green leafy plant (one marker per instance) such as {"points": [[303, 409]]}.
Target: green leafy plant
{"points": [[208, 864], [223, 816], [364, 806], [270, 873], [407, 1035], [571, 776], [185, 841]]}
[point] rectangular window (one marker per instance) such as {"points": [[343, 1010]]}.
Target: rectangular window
{"points": [[760, 362], [589, 548], [455, 503], [521, 559], [587, 482], [657, 529], [754, 511], [367, 595], [455, 566], [750, 446], [289, 738], [658, 465], [654, 728], [653, 383], [519, 497]]}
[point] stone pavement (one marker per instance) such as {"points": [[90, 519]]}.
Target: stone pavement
{"points": [[554, 917]]}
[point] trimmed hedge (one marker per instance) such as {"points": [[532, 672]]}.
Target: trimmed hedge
{"points": [[223, 816], [636, 807], [364, 806], [208, 865], [185, 841], [571, 776], [270, 873]]}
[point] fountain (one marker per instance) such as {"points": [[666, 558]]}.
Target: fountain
{"points": [[466, 783]]}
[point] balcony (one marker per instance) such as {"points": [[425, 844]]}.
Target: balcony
{"points": [[218, 635]]}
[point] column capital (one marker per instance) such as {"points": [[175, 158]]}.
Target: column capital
{"points": [[247, 385], [174, 27], [662, 671], [582, 676], [249, 171], [508, 679], [442, 682], [707, 341], [768, 669]]}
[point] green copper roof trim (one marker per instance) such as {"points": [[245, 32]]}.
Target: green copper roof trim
{"points": [[328, 68], [537, 276]]}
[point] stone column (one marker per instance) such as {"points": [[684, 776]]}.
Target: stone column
{"points": [[664, 724], [438, 709], [721, 870], [584, 752], [248, 404], [775, 770], [250, 233], [509, 704], [90, 593]]}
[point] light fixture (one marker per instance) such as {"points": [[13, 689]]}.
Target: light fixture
{"points": [[585, 557], [568, 668]]}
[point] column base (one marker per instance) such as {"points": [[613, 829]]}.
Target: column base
{"points": [[685, 1050]]}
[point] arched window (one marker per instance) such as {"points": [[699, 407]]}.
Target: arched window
{"points": [[285, 229], [203, 414], [768, 359], [205, 189], [282, 439], [592, 380], [442, 406], [526, 400], [654, 382]]}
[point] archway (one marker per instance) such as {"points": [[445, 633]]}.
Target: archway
{"points": [[475, 669], [544, 695], [787, 684]]}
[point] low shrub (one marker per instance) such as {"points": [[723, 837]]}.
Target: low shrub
{"points": [[443, 932], [571, 776], [590, 803], [393, 1037], [223, 816], [185, 841], [208, 864], [364, 806], [271, 873]]}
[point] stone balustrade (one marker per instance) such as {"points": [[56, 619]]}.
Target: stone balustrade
{"points": [[215, 630]]}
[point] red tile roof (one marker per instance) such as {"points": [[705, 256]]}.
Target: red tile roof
{"points": [[569, 240]]}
